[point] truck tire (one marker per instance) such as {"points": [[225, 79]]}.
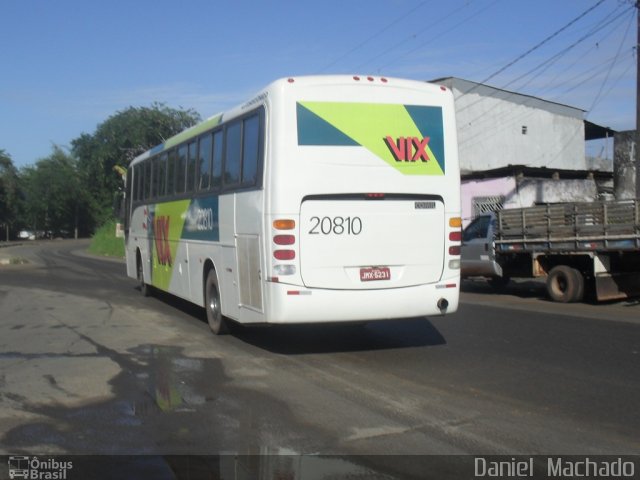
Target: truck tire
{"points": [[565, 284], [579, 293]]}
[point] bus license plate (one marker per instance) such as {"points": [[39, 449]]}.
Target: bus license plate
{"points": [[375, 273]]}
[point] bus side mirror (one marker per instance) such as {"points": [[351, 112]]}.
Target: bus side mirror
{"points": [[119, 206]]}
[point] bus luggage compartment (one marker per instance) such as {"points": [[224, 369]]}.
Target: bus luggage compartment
{"points": [[371, 244]]}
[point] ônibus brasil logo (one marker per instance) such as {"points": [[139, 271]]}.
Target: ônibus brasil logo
{"points": [[31, 468], [408, 149]]}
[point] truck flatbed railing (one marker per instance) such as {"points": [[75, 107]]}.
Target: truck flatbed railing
{"points": [[571, 226]]}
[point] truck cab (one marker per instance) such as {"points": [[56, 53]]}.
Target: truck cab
{"points": [[478, 249]]}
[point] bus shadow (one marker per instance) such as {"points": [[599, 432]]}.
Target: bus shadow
{"points": [[322, 338], [337, 338]]}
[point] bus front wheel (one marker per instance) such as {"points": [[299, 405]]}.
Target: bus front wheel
{"points": [[216, 321]]}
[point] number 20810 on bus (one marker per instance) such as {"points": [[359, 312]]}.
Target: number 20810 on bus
{"points": [[321, 199]]}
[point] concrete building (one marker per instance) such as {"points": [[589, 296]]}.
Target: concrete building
{"points": [[517, 150]]}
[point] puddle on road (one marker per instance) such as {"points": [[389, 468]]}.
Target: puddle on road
{"points": [[169, 407], [164, 402]]}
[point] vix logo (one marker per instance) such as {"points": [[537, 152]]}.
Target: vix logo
{"points": [[161, 230], [408, 149]]}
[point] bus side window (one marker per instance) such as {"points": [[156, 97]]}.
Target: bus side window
{"points": [[191, 166], [250, 150], [161, 170], [232, 159], [136, 183], [163, 180], [181, 169], [171, 172], [204, 161], [147, 179], [155, 176], [216, 170]]}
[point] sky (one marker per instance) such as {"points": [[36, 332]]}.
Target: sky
{"points": [[68, 65]]}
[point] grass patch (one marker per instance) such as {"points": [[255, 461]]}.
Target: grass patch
{"points": [[105, 242]]}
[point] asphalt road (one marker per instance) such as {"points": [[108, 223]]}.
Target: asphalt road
{"points": [[89, 366]]}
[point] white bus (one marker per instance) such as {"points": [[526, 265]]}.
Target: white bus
{"points": [[321, 199]]}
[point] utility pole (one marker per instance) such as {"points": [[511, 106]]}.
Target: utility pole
{"points": [[638, 102]]}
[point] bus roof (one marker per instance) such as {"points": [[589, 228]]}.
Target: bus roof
{"points": [[258, 98]]}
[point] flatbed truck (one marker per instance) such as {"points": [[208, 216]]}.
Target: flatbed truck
{"points": [[579, 247]]}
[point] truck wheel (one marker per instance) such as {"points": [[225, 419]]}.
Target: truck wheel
{"points": [[579, 293], [212, 305], [565, 284]]}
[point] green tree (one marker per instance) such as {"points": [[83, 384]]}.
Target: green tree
{"points": [[8, 193], [55, 199], [116, 142]]}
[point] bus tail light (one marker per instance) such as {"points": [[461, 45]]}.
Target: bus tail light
{"points": [[379, 196], [455, 236], [284, 254], [284, 239]]}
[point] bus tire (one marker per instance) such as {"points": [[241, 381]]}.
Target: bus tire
{"points": [[565, 284], [212, 305], [145, 288]]}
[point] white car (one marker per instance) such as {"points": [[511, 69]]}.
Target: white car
{"points": [[26, 235]]}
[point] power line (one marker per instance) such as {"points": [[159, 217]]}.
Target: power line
{"points": [[550, 61], [537, 46], [417, 34], [405, 40], [604, 82], [378, 33], [547, 63]]}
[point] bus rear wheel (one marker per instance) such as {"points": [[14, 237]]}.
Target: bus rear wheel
{"points": [[145, 289], [217, 322]]}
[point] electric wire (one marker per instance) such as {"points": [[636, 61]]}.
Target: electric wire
{"points": [[604, 82], [377, 34], [537, 46], [413, 36], [547, 63], [406, 39]]}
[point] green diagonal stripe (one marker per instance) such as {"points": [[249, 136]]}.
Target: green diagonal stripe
{"points": [[369, 125]]}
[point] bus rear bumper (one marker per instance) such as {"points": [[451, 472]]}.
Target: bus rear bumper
{"points": [[295, 304]]}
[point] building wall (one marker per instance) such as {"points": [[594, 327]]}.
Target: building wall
{"points": [[492, 187], [497, 128], [524, 193], [624, 171]]}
